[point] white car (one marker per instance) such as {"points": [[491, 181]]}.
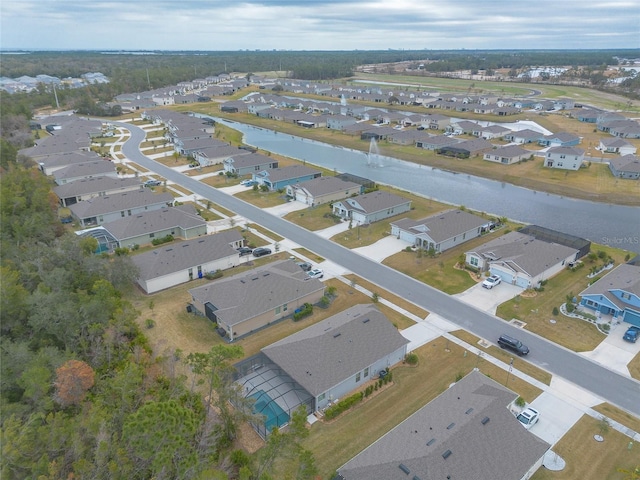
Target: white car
{"points": [[528, 417], [315, 273], [492, 281]]}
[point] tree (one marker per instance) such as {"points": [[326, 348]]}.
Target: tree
{"points": [[73, 380], [161, 436], [216, 372]]}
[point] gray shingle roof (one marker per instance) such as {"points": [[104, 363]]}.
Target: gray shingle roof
{"points": [[325, 185], [290, 172], [327, 353], [524, 252], [98, 167], [119, 202], [624, 277], [87, 186], [374, 201], [184, 216], [183, 255], [498, 449], [252, 293], [443, 226]]}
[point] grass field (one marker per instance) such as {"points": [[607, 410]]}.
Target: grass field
{"points": [[590, 460]]}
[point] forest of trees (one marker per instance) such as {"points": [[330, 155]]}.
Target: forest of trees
{"points": [[82, 392]]}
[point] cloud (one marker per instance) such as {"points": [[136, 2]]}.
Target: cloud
{"points": [[317, 25]]}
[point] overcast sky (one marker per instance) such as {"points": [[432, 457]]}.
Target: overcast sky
{"points": [[318, 25]]}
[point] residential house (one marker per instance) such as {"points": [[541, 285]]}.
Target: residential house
{"points": [[181, 262], [87, 188], [525, 135], [280, 178], [99, 210], [491, 132], [436, 142], [180, 222], [50, 164], [616, 294], [467, 432], [250, 301], [441, 231], [208, 156], [333, 357], [79, 171], [616, 145], [567, 158], [521, 259], [627, 166], [508, 154], [249, 164], [560, 139], [371, 207], [466, 149], [319, 365], [323, 190]]}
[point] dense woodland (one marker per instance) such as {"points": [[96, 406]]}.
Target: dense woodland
{"points": [[83, 394]]}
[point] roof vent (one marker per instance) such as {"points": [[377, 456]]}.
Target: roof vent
{"points": [[446, 454], [431, 442], [451, 425], [404, 468], [485, 420]]}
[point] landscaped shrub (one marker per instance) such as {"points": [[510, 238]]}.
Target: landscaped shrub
{"points": [[213, 275], [334, 410], [411, 358], [307, 309], [160, 241]]}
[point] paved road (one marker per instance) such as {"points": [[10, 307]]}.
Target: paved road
{"points": [[619, 390]]}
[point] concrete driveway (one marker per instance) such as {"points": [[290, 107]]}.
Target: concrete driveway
{"points": [[613, 352], [488, 299]]}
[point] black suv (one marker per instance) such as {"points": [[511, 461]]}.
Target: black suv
{"points": [[505, 341], [259, 252]]}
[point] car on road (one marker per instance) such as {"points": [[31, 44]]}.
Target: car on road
{"points": [[528, 417], [632, 334], [244, 251], [305, 266], [261, 251], [492, 281], [315, 273], [513, 344]]}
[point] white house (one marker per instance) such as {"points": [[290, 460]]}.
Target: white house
{"points": [[566, 158]]}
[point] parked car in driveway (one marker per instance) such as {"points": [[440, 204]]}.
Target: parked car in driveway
{"points": [[513, 344], [315, 273], [492, 281], [261, 251], [632, 334], [528, 417]]}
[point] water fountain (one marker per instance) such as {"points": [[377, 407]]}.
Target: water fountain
{"points": [[373, 157]]}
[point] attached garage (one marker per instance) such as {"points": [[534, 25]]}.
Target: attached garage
{"points": [[632, 317]]}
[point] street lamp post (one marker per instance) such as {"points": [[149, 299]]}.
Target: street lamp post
{"points": [[509, 372]]}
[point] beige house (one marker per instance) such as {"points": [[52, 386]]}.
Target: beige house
{"points": [[250, 301]]}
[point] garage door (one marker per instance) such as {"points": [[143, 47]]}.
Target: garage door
{"points": [[506, 277], [632, 317]]}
